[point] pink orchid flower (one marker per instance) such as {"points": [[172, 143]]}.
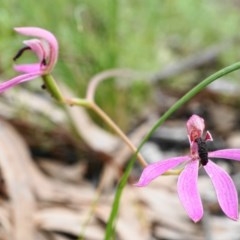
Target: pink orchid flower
{"points": [[45, 46], [187, 181]]}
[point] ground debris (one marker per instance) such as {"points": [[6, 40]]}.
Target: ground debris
{"points": [[46, 197]]}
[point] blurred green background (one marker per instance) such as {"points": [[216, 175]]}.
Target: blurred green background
{"points": [[104, 34]]}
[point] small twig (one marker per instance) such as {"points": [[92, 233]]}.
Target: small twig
{"points": [[94, 82]]}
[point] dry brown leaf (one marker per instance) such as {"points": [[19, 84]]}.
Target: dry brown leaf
{"points": [[166, 233], [67, 221], [63, 172], [35, 103], [223, 228], [12, 157], [167, 208]]}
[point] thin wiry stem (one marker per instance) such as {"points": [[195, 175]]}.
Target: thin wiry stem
{"points": [[109, 121], [56, 93], [93, 106], [97, 79]]}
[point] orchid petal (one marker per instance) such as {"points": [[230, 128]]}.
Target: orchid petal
{"points": [[232, 154], [37, 47], [47, 36], [154, 170], [188, 192], [27, 68], [225, 189], [19, 79]]}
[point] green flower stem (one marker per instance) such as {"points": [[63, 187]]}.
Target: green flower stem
{"points": [[110, 229], [94, 107], [78, 102], [52, 87], [56, 93]]}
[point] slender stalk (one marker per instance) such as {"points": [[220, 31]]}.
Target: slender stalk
{"points": [[97, 79], [52, 87], [94, 107], [78, 102], [110, 123]]}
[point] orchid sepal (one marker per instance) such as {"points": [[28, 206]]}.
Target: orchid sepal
{"points": [[232, 154], [188, 192], [225, 189], [156, 169]]}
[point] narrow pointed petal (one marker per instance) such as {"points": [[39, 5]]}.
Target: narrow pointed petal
{"points": [[232, 154], [27, 68], [19, 79], [47, 36], [208, 136], [188, 192], [37, 47], [154, 170], [225, 189]]}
